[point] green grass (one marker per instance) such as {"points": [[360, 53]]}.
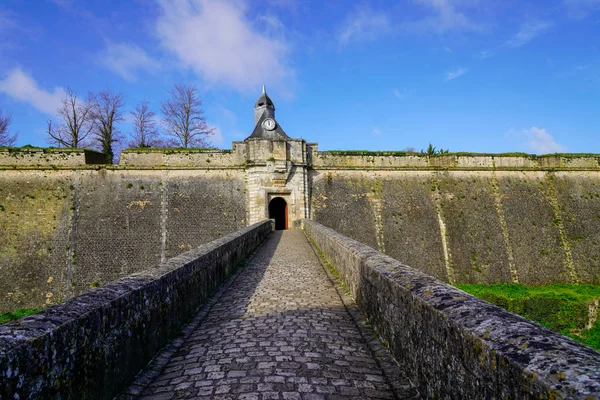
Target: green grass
{"points": [[562, 308], [172, 150], [452, 153], [20, 313], [368, 153]]}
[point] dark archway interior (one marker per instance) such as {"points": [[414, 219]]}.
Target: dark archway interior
{"points": [[278, 211]]}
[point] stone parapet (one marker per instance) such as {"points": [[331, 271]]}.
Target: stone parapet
{"points": [[37, 157], [93, 345], [392, 160], [180, 158], [453, 344]]}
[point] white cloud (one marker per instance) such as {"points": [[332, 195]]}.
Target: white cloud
{"points": [[7, 21], [23, 87], [216, 39], [538, 140], [291, 5], [363, 24], [14, 27], [447, 49], [272, 25], [529, 31], [127, 60], [446, 17], [581, 8], [484, 54], [400, 93], [455, 74], [377, 132]]}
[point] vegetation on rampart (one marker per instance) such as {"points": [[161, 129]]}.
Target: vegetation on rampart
{"points": [[29, 147], [20, 313], [571, 310], [173, 150], [368, 153], [458, 153]]}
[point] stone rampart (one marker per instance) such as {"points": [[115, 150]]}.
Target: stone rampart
{"points": [[463, 218], [181, 158], [453, 344], [48, 158], [65, 231], [470, 226], [399, 160], [91, 346]]}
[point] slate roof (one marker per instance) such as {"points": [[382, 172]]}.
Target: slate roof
{"points": [[261, 133], [264, 100]]}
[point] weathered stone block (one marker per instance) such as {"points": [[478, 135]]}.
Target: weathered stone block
{"points": [[91, 346], [453, 344]]}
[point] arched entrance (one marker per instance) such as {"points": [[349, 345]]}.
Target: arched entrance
{"points": [[278, 210]]}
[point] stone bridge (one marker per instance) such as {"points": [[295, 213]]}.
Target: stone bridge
{"points": [[297, 314]]}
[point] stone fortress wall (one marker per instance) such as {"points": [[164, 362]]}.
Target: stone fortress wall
{"points": [[461, 218], [533, 227], [468, 218], [477, 219], [65, 230]]}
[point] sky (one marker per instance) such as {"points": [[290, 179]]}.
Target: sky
{"points": [[486, 76]]}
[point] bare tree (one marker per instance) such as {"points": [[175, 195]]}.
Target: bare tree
{"points": [[145, 131], [106, 112], [6, 139], [182, 117], [77, 122]]}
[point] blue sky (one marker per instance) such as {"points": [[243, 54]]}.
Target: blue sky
{"points": [[466, 75]]}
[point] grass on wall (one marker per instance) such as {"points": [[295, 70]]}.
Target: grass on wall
{"points": [[562, 308], [173, 150], [20, 313]]}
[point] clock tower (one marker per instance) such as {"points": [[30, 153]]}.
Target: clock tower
{"points": [[265, 124], [277, 169]]}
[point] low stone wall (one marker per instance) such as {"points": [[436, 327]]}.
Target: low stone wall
{"points": [[93, 345], [453, 344], [34, 157], [180, 158], [391, 160]]}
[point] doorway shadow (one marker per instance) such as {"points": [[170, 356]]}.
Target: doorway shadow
{"points": [[278, 210]]}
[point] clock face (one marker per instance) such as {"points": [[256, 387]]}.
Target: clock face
{"points": [[269, 124]]}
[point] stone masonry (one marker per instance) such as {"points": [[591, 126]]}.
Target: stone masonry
{"points": [[454, 345], [281, 330], [69, 224]]}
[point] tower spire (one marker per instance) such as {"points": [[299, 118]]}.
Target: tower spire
{"points": [[264, 112], [263, 104]]}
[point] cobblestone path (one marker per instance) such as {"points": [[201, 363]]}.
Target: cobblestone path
{"points": [[281, 331]]}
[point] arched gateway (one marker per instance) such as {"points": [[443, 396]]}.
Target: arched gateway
{"points": [[278, 210]]}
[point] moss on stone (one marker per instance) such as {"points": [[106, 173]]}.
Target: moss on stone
{"points": [[20, 313], [368, 153], [173, 150]]}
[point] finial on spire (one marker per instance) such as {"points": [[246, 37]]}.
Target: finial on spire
{"points": [[264, 91]]}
